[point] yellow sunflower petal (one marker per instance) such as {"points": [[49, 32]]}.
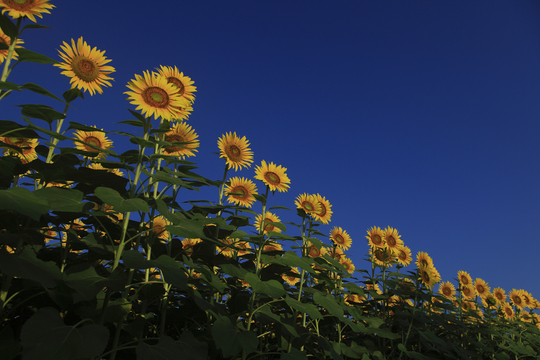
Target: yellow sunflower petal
{"points": [[96, 138], [273, 176], [235, 150], [341, 238], [181, 132], [28, 8], [241, 191]]}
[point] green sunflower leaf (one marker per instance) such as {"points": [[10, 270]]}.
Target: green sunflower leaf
{"points": [[38, 89], [30, 56]]}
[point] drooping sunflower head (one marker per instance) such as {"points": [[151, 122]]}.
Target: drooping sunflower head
{"points": [[153, 95], [95, 138], [28, 8], [273, 176], [273, 246], [423, 259], [375, 237], [392, 238], [482, 288], [235, 150], [341, 238], [241, 191], [183, 84], [448, 290], [268, 219], [403, 255], [464, 278], [325, 213], [85, 66], [308, 203], [6, 40], [183, 133]]}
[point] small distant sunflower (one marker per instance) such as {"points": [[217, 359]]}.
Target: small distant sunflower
{"points": [[269, 218], [242, 247], [376, 288], [158, 228], [153, 95], [527, 299], [241, 191], [508, 311], [308, 203], [448, 290], [464, 278], [313, 251], [235, 150], [403, 255], [375, 237], [7, 40], [427, 277], [325, 213], [181, 132], [423, 259], [273, 176], [340, 238], [347, 264], [183, 84], [96, 138], [96, 166], [498, 293], [27, 148], [188, 244], [291, 279], [468, 291], [228, 250], [489, 300], [392, 238], [482, 288], [28, 8], [525, 316], [516, 298], [85, 66]]}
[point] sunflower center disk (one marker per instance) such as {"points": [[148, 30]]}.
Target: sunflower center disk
{"points": [[307, 206], [339, 239], [22, 4], [178, 84], [91, 140], [234, 152], [174, 138], [156, 97], [272, 178], [86, 69], [391, 241], [241, 192]]}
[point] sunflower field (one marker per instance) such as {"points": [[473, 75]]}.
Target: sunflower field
{"points": [[102, 257]]}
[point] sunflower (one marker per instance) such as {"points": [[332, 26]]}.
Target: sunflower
{"points": [[508, 311], [85, 66], [354, 298], [188, 244], [525, 316], [242, 248], [423, 259], [448, 290], [464, 278], [291, 279], [376, 288], [340, 238], [347, 264], [96, 138], [308, 203], [158, 228], [517, 298], [482, 288], [498, 293], [375, 237], [313, 251], [468, 291], [49, 234], [527, 298], [154, 96], [235, 150], [273, 176], [325, 213], [392, 238], [96, 166], [183, 84], [403, 255], [335, 253], [27, 148], [269, 218], [28, 8], [383, 256], [272, 247], [241, 191], [427, 277], [181, 132], [7, 40], [489, 300], [228, 250]]}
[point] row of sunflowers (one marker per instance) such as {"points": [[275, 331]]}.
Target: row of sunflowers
{"points": [[95, 245]]}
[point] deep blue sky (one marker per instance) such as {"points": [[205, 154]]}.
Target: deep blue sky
{"points": [[423, 116]]}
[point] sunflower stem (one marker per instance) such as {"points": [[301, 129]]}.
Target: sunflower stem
{"points": [[11, 50]]}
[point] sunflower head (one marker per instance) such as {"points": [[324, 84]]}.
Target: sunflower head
{"points": [[183, 133], [383, 256], [340, 238], [241, 191], [308, 203], [94, 138], [427, 277], [392, 238], [325, 213], [468, 291], [183, 84], [273, 176], [158, 228], [235, 150], [188, 244], [498, 293], [28, 8], [464, 278], [375, 237], [269, 218], [517, 298], [403, 255], [347, 264], [423, 259], [7, 40], [508, 311], [291, 278], [85, 66], [26, 151], [153, 95], [448, 290], [481, 287]]}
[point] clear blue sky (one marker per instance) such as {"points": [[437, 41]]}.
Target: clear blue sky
{"points": [[423, 116]]}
